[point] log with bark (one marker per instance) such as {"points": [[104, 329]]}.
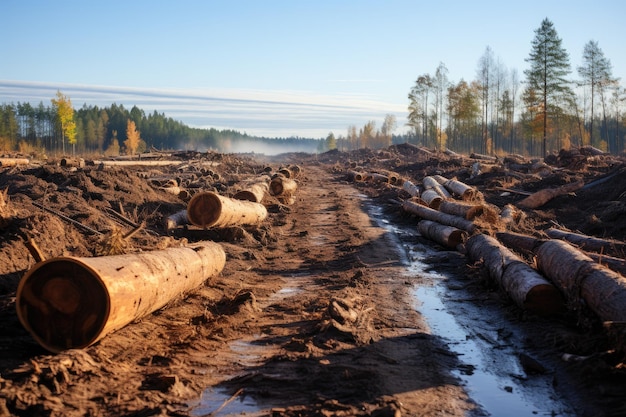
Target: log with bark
{"points": [[429, 214], [468, 211], [464, 191], [411, 188], [541, 197], [209, 209], [589, 243], [447, 236], [430, 182], [526, 287], [72, 302], [583, 281], [432, 198], [177, 219]]}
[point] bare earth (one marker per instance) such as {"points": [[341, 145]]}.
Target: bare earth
{"points": [[314, 313]]}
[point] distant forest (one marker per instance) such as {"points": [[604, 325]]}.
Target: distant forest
{"points": [[36, 129]]}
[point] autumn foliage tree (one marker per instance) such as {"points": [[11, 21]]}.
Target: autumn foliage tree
{"points": [[65, 117], [132, 137]]}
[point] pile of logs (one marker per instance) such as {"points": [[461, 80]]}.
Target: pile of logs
{"points": [[560, 272]]}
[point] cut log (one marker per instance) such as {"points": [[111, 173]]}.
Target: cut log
{"points": [[356, 176], [431, 183], [526, 287], [254, 192], [483, 157], [177, 219], [579, 277], [464, 191], [437, 216], [589, 243], [432, 198], [11, 162], [281, 186], [541, 197], [519, 242], [209, 209], [447, 236], [71, 302], [411, 188], [466, 210]]}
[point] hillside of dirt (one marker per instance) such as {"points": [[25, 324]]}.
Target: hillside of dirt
{"points": [[312, 314]]}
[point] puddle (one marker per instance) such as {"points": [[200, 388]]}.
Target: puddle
{"points": [[217, 402], [489, 367]]}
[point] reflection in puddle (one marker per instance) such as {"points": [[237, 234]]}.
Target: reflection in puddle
{"points": [[493, 377], [217, 402]]}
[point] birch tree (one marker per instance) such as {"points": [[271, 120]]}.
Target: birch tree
{"points": [[65, 117]]}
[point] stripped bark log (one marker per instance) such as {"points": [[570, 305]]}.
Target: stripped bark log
{"points": [[209, 209], [590, 243], [447, 236], [457, 208], [526, 287], [71, 302], [437, 216], [541, 197], [582, 280]]}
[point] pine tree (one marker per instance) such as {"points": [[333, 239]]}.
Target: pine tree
{"points": [[549, 65], [595, 72]]}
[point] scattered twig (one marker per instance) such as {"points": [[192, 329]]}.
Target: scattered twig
{"points": [[68, 219]]}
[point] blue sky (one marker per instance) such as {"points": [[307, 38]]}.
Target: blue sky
{"points": [[277, 68]]}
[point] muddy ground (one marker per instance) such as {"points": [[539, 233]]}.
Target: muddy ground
{"points": [[314, 312]]}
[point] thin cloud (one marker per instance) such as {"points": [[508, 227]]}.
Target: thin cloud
{"points": [[257, 112]]}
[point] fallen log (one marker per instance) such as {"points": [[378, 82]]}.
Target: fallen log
{"points": [[177, 219], [72, 302], [529, 245], [447, 236], [209, 209], [411, 188], [283, 187], [526, 287], [582, 280], [254, 192], [482, 157], [463, 190], [432, 183], [11, 162], [437, 216], [457, 208], [432, 198], [541, 197], [590, 243]]}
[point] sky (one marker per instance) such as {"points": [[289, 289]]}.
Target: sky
{"points": [[277, 68]]}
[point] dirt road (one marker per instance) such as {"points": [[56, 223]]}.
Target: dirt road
{"points": [[313, 314]]}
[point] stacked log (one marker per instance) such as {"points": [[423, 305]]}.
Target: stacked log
{"points": [[283, 188], [254, 191], [437, 216], [589, 243], [72, 302], [468, 211]]}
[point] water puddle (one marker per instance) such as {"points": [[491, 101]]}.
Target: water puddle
{"points": [[217, 402], [489, 366]]}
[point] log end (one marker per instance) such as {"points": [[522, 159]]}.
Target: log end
{"points": [[204, 209], [63, 304], [246, 196], [545, 300]]}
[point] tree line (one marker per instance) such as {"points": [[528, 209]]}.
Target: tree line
{"points": [[59, 129], [499, 113]]}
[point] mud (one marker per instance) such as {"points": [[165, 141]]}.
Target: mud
{"points": [[317, 311]]}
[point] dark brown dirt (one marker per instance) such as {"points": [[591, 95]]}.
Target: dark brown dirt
{"points": [[316, 297]]}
